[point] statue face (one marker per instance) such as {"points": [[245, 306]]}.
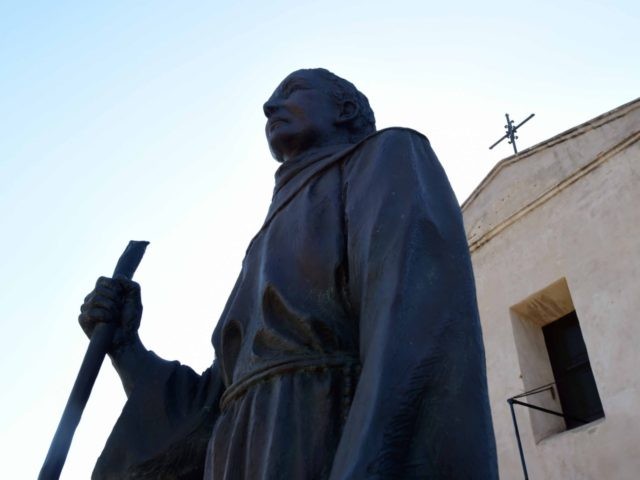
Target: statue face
{"points": [[301, 115]]}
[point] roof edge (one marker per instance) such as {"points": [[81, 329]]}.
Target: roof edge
{"points": [[573, 132]]}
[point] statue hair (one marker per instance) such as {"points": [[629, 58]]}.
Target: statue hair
{"points": [[365, 122]]}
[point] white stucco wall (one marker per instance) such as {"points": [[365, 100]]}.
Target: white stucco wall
{"points": [[568, 208]]}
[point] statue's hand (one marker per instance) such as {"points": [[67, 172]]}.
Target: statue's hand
{"points": [[117, 301]]}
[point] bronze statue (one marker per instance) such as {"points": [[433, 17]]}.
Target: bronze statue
{"points": [[350, 346]]}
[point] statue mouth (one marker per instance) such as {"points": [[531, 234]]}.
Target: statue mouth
{"points": [[275, 124]]}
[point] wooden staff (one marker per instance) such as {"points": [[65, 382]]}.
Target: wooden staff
{"points": [[98, 346]]}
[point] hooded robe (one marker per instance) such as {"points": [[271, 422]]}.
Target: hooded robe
{"points": [[350, 347]]}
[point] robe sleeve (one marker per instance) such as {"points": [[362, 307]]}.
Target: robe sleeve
{"points": [[165, 426], [420, 408]]}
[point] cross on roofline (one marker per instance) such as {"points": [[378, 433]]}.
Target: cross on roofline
{"points": [[511, 132]]}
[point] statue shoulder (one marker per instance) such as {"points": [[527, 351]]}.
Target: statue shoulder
{"points": [[390, 148], [395, 134]]}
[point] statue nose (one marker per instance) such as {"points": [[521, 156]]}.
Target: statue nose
{"points": [[269, 108]]}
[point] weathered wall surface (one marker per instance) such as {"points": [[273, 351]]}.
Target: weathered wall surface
{"points": [[568, 208]]}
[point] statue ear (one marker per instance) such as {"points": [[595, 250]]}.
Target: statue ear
{"points": [[348, 112]]}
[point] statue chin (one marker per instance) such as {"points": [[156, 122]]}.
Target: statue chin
{"points": [[287, 142], [276, 156]]}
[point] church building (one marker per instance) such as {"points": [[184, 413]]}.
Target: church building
{"points": [[554, 233]]}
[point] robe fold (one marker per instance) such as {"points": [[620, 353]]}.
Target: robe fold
{"points": [[350, 347]]}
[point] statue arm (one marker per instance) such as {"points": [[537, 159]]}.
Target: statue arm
{"points": [[166, 423], [165, 426], [131, 362], [420, 408]]}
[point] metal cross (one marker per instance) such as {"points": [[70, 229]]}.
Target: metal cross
{"points": [[511, 131]]}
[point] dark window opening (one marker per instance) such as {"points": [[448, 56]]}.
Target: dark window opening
{"points": [[572, 371]]}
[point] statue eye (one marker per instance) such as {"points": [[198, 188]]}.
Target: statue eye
{"points": [[292, 87]]}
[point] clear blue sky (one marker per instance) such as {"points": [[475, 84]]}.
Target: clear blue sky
{"points": [[142, 120]]}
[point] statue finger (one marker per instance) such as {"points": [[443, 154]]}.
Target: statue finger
{"points": [[107, 303], [132, 293], [88, 301], [108, 283], [86, 304], [85, 324], [128, 285], [99, 315]]}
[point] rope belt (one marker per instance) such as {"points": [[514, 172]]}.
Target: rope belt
{"points": [[307, 363]]}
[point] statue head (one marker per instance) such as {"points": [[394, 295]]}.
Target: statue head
{"points": [[313, 108]]}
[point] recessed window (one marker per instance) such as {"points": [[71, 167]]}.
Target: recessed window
{"points": [[552, 354], [574, 379]]}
